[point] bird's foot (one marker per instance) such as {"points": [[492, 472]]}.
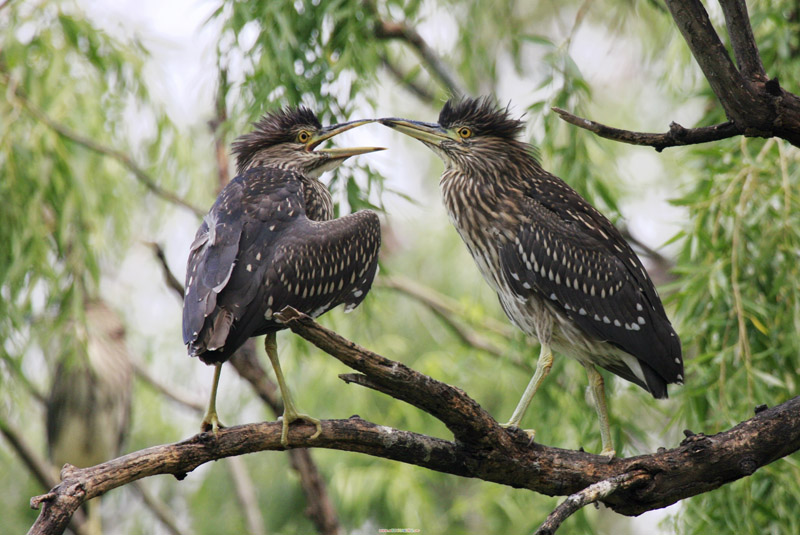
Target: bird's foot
{"points": [[211, 423], [608, 452], [511, 425], [294, 416]]}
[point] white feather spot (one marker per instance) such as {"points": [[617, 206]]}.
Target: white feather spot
{"points": [[358, 293], [553, 296], [639, 307], [617, 323], [641, 321], [249, 267], [268, 314], [606, 320]]}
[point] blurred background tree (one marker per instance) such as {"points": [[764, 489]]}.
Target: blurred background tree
{"points": [[105, 148]]}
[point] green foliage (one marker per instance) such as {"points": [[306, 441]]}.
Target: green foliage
{"points": [[72, 211]]}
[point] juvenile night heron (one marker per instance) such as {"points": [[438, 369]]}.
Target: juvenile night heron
{"points": [[89, 407], [269, 241], [562, 271]]}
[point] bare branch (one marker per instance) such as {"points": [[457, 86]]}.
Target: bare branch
{"points": [[676, 136], [40, 468], [462, 415], [757, 106], [446, 309], [414, 88], [481, 449], [169, 278], [725, 80], [247, 496], [591, 494], [754, 105], [320, 508], [168, 391], [744, 44], [164, 515], [402, 31]]}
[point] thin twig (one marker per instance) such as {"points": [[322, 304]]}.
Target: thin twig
{"points": [[124, 159], [414, 88], [246, 491], [169, 277], [169, 391], [591, 494], [40, 468], [677, 135], [439, 302], [164, 515], [320, 510], [399, 30]]}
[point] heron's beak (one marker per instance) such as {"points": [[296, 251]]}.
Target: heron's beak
{"points": [[430, 133], [330, 131]]}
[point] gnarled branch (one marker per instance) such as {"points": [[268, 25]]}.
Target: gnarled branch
{"points": [[754, 105], [481, 449]]}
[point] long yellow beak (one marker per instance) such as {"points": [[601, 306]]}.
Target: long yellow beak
{"points": [[341, 153], [430, 133]]}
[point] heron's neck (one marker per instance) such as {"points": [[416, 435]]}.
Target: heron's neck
{"points": [[319, 203]]}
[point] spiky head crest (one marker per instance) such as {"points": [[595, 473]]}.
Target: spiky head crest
{"points": [[281, 126], [482, 115]]}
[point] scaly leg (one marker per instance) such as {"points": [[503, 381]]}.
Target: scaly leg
{"points": [[290, 413], [598, 390], [210, 420], [543, 366]]}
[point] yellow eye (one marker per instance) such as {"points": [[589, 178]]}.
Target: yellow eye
{"points": [[464, 132], [304, 136]]}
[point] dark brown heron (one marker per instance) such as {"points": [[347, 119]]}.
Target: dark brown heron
{"points": [[88, 410], [562, 271], [269, 241]]}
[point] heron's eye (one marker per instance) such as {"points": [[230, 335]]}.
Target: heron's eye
{"points": [[304, 136], [464, 132]]}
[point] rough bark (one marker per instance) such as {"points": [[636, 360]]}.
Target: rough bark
{"points": [[480, 448], [755, 105]]}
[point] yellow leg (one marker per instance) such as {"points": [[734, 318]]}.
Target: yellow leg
{"points": [[597, 387], [210, 420], [290, 413], [543, 366]]}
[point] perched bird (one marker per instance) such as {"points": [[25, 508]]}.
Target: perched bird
{"points": [[88, 410], [562, 271], [269, 241]]}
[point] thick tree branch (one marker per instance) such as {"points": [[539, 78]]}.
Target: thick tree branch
{"points": [[744, 45], [725, 80], [677, 135], [754, 105], [482, 449], [466, 419]]}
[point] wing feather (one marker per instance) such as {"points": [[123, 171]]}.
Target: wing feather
{"points": [[571, 255]]}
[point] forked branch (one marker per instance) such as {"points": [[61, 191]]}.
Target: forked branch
{"points": [[481, 448]]}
